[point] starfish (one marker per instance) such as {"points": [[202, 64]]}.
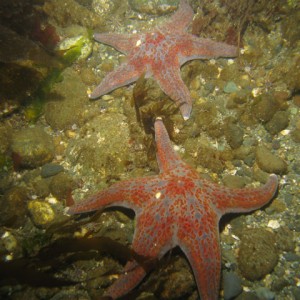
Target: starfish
{"points": [[160, 54], [176, 208]]}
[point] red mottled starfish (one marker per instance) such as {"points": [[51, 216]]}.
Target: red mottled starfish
{"points": [[176, 208], [160, 54]]}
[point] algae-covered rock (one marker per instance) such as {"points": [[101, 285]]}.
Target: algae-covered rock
{"points": [[264, 108], [279, 122], [41, 213], [233, 134], [32, 147], [258, 255], [269, 162]]}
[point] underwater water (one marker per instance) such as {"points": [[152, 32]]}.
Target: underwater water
{"points": [[58, 146]]}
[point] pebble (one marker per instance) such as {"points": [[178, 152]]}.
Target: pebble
{"points": [[269, 162], [32, 147], [232, 285], [51, 169], [230, 87], [274, 224], [264, 293]]}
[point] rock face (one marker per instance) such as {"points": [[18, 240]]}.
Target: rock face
{"points": [[32, 147], [258, 255]]}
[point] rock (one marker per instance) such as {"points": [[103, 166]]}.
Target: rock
{"points": [[61, 186], [279, 122], [51, 169], [269, 162], [232, 285], [41, 213], [258, 254], [32, 147], [264, 108], [13, 207]]}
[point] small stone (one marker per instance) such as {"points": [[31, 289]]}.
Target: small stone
{"points": [[274, 224], [232, 285], [264, 293], [269, 162], [51, 169], [32, 147], [230, 87], [41, 213]]}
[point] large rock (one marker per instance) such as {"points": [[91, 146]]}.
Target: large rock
{"points": [[32, 147]]}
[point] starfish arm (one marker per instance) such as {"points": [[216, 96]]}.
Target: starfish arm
{"points": [[133, 275], [170, 82], [181, 18], [199, 240], [122, 42], [229, 200], [152, 239], [123, 75], [168, 160], [129, 193], [199, 48]]}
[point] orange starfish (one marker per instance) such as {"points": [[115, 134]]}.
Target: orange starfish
{"points": [[160, 54], [176, 208]]}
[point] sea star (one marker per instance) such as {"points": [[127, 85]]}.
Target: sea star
{"points": [[160, 54], [176, 208]]}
